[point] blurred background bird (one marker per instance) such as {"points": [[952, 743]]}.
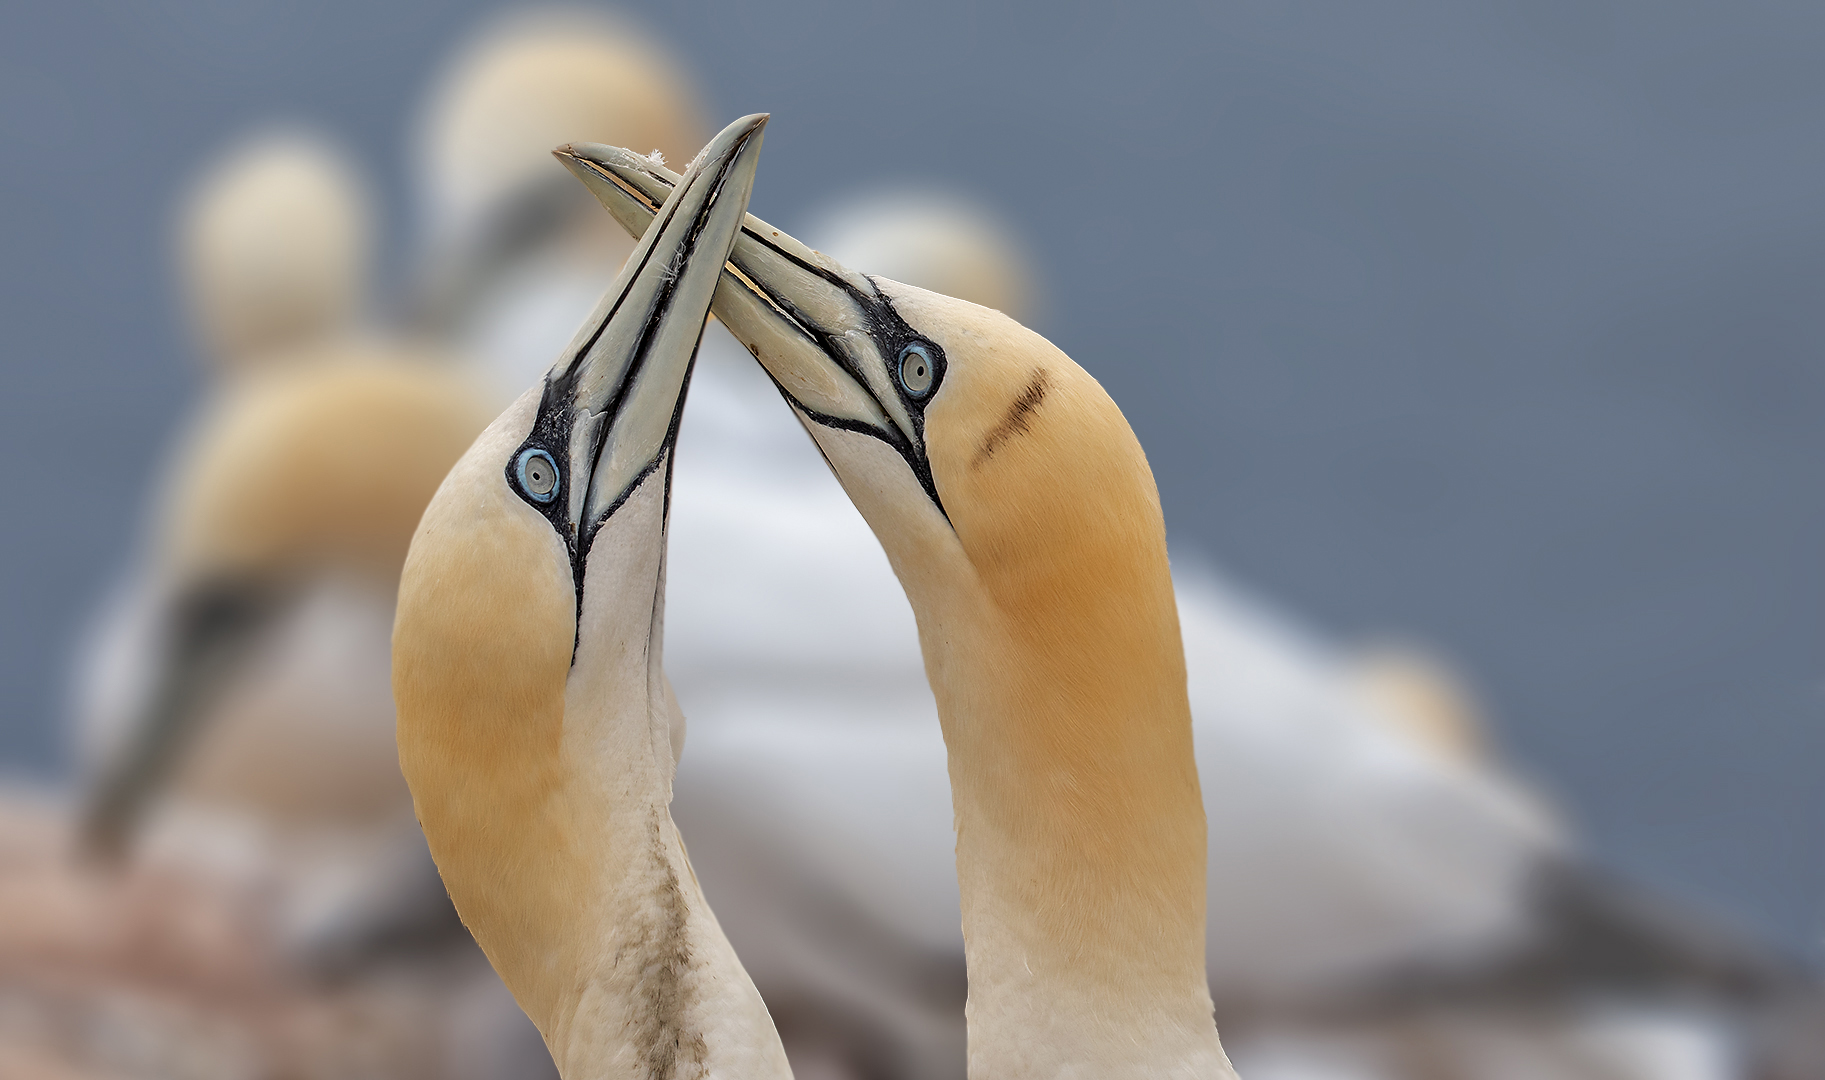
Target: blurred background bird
{"points": [[234, 708], [274, 537], [274, 250]]}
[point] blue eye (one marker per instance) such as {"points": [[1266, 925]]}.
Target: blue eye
{"points": [[916, 370], [538, 475]]}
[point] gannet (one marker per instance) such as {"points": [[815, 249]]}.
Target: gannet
{"points": [[275, 254], [275, 249], [513, 254], [275, 559], [793, 651], [277, 777], [1462, 868], [536, 727], [1019, 514]]}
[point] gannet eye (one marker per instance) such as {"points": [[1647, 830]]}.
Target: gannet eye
{"points": [[538, 474], [916, 370]]}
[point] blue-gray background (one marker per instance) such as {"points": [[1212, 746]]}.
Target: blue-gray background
{"points": [[1501, 324]]}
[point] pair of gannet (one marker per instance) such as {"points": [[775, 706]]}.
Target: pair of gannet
{"points": [[538, 731], [1342, 847]]}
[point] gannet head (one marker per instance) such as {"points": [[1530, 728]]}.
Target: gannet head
{"points": [[527, 644], [532, 79], [275, 246], [294, 477]]}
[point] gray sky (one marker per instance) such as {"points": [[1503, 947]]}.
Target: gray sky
{"points": [[1496, 325]]}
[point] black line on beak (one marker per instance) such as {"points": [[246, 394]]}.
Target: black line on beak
{"points": [[558, 411]]}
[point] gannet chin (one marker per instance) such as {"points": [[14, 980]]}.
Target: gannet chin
{"points": [[1019, 513], [536, 727]]}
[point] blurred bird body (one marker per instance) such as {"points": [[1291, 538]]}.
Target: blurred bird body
{"points": [[284, 514], [274, 250]]}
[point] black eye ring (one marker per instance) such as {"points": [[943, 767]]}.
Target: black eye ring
{"points": [[537, 473], [917, 370]]}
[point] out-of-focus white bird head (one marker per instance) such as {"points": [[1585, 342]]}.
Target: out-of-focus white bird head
{"points": [[938, 241], [1424, 700], [524, 84], [275, 247]]}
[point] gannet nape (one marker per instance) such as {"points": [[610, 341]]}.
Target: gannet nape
{"points": [[535, 723], [1021, 517]]}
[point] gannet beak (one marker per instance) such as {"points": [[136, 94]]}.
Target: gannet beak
{"points": [[826, 334], [621, 382]]}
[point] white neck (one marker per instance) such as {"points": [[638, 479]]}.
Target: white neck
{"points": [[657, 990], [1080, 827], [1080, 843], [543, 780]]}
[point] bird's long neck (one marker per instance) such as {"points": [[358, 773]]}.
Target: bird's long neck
{"points": [[1080, 828], [651, 986], [545, 801]]}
